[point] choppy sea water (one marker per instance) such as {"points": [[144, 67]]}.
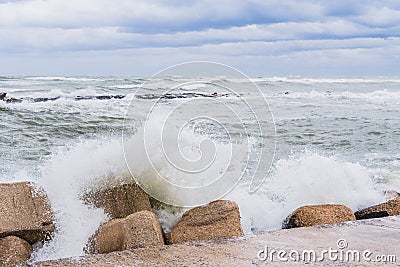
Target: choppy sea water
{"points": [[337, 141]]}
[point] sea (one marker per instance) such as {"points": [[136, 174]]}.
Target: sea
{"points": [[334, 140]]}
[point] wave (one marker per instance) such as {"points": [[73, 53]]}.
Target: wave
{"points": [[326, 80], [300, 179], [373, 96], [65, 176], [63, 78], [305, 179], [125, 86]]}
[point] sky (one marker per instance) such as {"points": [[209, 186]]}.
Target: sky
{"points": [[260, 38]]}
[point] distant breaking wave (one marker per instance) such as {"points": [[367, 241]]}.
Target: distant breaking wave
{"points": [[108, 97]]}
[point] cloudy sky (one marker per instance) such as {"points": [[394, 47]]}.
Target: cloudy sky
{"points": [[259, 37]]}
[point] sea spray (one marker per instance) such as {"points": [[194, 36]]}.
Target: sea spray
{"points": [[165, 176], [96, 164], [305, 179], [354, 119], [64, 177], [301, 179]]}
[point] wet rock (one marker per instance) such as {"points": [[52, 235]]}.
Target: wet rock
{"points": [[25, 212], [181, 95], [13, 251], [389, 208], [8, 99], [138, 230], [317, 215], [219, 219], [119, 201]]}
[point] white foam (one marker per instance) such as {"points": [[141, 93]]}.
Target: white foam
{"points": [[377, 96], [62, 78], [65, 176], [301, 80], [308, 179], [125, 86], [304, 180]]}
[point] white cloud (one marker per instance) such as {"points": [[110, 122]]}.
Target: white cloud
{"points": [[106, 38], [226, 30], [380, 17], [139, 15]]}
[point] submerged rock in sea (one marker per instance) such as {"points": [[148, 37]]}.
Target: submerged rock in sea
{"points": [[14, 251], [25, 212], [219, 219], [389, 208], [138, 230], [119, 201], [317, 215]]}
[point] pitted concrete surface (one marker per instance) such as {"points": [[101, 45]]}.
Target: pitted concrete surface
{"points": [[379, 236]]}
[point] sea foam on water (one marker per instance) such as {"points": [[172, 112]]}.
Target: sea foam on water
{"points": [[305, 179], [354, 119]]}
